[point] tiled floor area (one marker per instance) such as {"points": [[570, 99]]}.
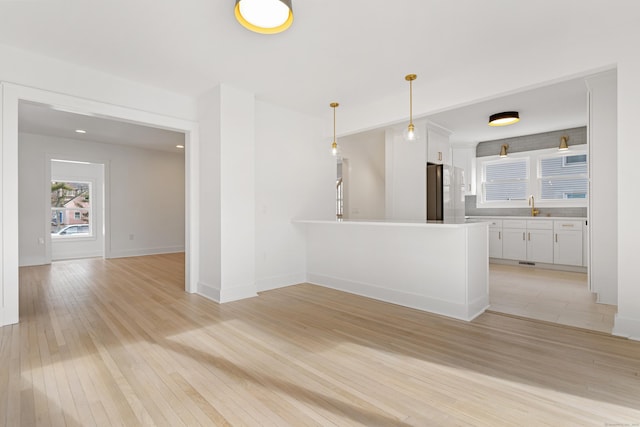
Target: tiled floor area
{"points": [[548, 295]]}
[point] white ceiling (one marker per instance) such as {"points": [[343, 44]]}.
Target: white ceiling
{"points": [[554, 107], [44, 120], [355, 51]]}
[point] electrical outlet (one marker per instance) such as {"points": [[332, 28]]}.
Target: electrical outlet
{"points": [[130, 236], [41, 240]]}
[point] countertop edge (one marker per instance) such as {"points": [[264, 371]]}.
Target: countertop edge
{"points": [[390, 223]]}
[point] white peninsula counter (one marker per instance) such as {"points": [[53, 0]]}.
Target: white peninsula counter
{"points": [[440, 268]]}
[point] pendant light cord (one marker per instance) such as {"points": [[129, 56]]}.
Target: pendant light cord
{"points": [[410, 102], [334, 124]]}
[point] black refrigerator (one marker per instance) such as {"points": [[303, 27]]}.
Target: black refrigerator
{"points": [[435, 208]]}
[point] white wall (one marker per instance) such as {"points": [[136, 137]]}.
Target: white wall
{"points": [[295, 178], [365, 177], [144, 195], [39, 71], [78, 246], [405, 176]]}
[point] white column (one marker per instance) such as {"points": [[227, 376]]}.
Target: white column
{"points": [[227, 194], [603, 196]]}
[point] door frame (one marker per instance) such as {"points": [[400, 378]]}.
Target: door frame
{"points": [[11, 95]]}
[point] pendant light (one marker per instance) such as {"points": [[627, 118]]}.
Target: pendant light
{"points": [[504, 119], [334, 145], [503, 150], [563, 143], [264, 16], [410, 133]]}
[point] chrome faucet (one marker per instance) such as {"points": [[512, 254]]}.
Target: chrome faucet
{"points": [[534, 211]]}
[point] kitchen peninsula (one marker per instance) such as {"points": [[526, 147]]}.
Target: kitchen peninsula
{"points": [[435, 267]]}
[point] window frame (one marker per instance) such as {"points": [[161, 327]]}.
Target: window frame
{"points": [[534, 185], [577, 202], [482, 174], [77, 236]]}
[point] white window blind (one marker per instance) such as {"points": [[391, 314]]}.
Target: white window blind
{"points": [[506, 180], [564, 177]]}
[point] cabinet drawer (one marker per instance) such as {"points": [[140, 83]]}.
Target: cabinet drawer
{"points": [[537, 224], [495, 223], [514, 223], [567, 225]]}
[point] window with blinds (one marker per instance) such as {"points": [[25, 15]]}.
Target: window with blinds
{"points": [[506, 179], [563, 177]]}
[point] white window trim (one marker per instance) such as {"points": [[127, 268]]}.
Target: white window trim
{"points": [[534, 186], [92, 231]]}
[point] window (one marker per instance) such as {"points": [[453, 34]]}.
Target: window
{"points": [[563, 177], [555, 178], [505, 180], [70, 209]]}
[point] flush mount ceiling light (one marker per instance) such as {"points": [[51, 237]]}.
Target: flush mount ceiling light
{"points": [[504, 119], [264, 16], [81, 131], [563, 143], [503, 150], [334, 144], [410, 133]]}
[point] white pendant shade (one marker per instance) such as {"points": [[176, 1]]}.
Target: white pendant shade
{"points": [[264, 16]]}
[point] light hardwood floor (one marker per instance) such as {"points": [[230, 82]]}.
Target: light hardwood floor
{"points": [[118, 342], [553, 296]]}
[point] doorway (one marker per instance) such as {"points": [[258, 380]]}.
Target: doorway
{"points": [[13, 96]]}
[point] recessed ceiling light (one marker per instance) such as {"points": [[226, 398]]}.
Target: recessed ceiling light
{"points": [[81, 131], [179, 146]]}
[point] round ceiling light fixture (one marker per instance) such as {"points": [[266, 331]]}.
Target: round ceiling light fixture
{"points": [[504, 119], [264, 16]]}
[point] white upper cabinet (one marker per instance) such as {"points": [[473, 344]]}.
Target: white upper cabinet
{"points": [[438, 147], [465, 158]]}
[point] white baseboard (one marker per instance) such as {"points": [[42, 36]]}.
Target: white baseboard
{"points": [[626, 327], [275, 282], [222, 296], [125, 253], [558, 267], [477, 307], [420, 302], [79, 255], [208, 291], [31, 261]]}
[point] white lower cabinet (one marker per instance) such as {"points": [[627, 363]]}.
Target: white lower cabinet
{"points": [[530, 240], [514, 244], [568, 248], [545, 241], [540, 241], [495, 243]]}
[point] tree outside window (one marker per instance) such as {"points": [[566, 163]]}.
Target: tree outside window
{"points": [[70, 208]]}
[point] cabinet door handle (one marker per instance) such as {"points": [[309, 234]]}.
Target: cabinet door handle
{"points": [[499, 235], [556, 237], [523, 236], [528, 236], [439, 156]]}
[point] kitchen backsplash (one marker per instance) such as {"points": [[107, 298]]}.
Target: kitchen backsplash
{"points": [[470, 209]]}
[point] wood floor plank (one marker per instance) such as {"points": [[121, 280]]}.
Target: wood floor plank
{"points": [[119, 342]]}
